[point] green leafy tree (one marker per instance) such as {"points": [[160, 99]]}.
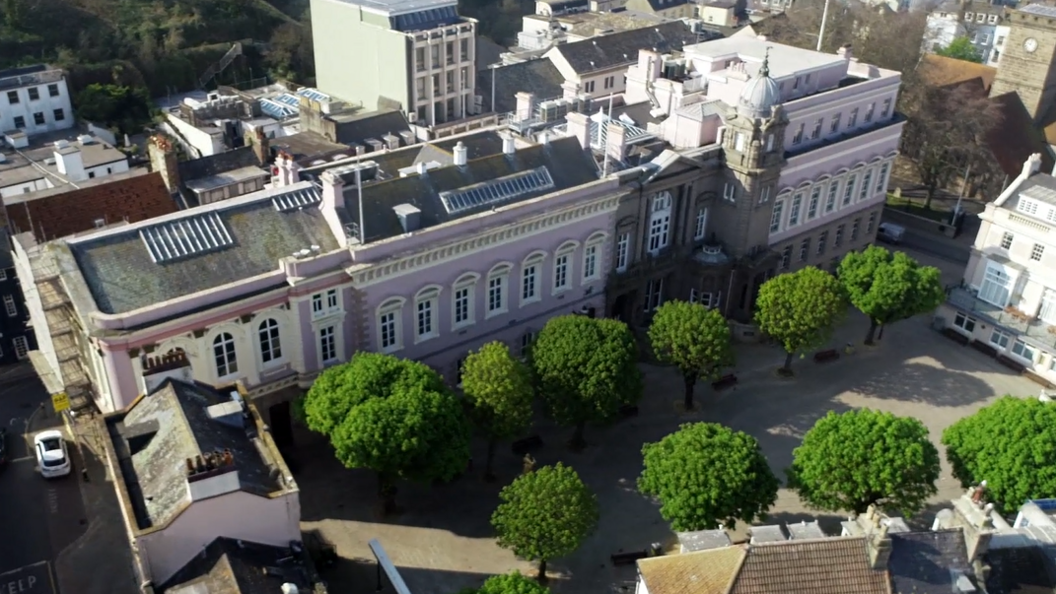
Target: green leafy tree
{"points": [[545, 514], [693, 338], [499, 388], [126, 108], [510, 583], [799, 310], [393, 416], [1010, 444], [889, 287], [961, 48], [860, 458], [586, 369], [706, 474]]}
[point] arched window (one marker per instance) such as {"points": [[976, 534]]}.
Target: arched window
{"points": [[498, 283], [390, 325], [463, 300], [270, 346], [530, 267], [224, 354]]}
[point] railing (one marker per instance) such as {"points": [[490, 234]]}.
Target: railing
{"points": [[36, 78]]}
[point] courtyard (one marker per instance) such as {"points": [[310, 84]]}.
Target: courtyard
{"points": [[442, 540]]}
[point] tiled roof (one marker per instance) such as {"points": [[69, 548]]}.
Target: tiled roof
{"points": [[168, 426], [928, 562], [822, 566], [1015, 138], [701, 572], [1021, 570], [228, 566], [134, 197], [616, 49], [122, 276], [941, 71], [540, 77]]}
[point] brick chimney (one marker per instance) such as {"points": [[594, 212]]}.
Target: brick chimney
{"points": [[525, 105], [616, 141], [879, 546], [333, 198], [163, 159], [173, 364], [261, 146], [579, 126], [211, 474]]}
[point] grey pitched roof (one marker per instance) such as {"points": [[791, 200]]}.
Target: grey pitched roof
{"points": [[1020, 570], [229, 566], [540, 77], [216, 164], [122, 276], [565, 161], [609, 51], [356, 129], [154, 439], [928, 562]]}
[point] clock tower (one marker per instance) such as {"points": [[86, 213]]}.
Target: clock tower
{"points": [[1028, 65]]}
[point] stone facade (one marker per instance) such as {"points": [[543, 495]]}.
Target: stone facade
{"points": [[1027, 65]]}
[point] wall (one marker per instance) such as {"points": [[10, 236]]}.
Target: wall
{"points": [[204, 143], [237, 515], [46, 104], [429, 107], [12, 327], [18, 189]]}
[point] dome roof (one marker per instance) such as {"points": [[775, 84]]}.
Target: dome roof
{"points": [[760, 93]]}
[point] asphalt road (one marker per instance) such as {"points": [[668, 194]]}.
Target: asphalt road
{"points": [[38, 517], [956, 251]]}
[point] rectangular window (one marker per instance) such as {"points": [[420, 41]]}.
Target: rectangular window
{"points": [[464, 84], [463, 50], [793, 213], [775, 218], [869, 112], [786, 257], [449, 78], [589, 86], [21, 347], [997, 285], [526, 343], [853, 120], [1027, 206], [419, 59], [9, 305], [881, 180], [822, 240], [561, 273], [798, 137], [1023, 350], [419, 88], [331, 300], [848, 190], [12, 97], [863, 191], [327, 345], [462, 305], [854, 229], [964, 322], [529, 283], [3, 274], [387, 325], [1048, 307], [692, 295], [622, 250], [590, 262], [224, 355], [837, 240], [437, 91], [53, 90], [1006, 240], [830, 199], [497, 294], [424, 311], [764, 195], [20, 122], [812, 206], [816, 132], [886, 109], [740, 140], [34, 93], [434, 56], [610, 81], [729, 192], [450, 52], [702, 221], [654, 294], [872, 222], [834, 124], [1036, 252], [999, 339], [659, 226], [804, 250]]}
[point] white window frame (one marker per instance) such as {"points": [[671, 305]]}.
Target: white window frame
{"points": [[325, 303], [497, 290], [1047, 311], [965, 322], [993, 274], [327, 342], [225, 355], [467, 286], [1006, 240], [1037, 252], [534, 264], [775, 216], [1024, 351], [526, 341], [1000, 339], [21, 344], [865, 186], [426, 311], [269, 340], [764, 195], [654, 294], [1027, 206], [700, 226], [729, 192], [848, 189], [881, 178], [793, 211], [623, 252], [814, 203], [832, 195], [591, 251], [659, 223], [740, 140], [10, 306], [823, 238], [390, 316]]}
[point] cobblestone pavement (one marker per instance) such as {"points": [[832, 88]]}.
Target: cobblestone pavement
{"points": [[442, 540]]}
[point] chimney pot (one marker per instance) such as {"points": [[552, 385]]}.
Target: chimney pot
{"points": [[190, 466]]}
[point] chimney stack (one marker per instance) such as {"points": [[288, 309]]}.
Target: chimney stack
{"points": [[616, 141], [421, 168], [163, 160], [845, 52], [525, 105], [333, 195], [261, 147], [509, 145], [879, 545], [579, 126], [461, 154]]}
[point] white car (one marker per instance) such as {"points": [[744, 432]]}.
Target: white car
{"points": [[52, 457]]}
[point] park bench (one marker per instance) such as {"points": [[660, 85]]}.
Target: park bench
{"points": [[724, 382], [528, 444], [824, 356]]}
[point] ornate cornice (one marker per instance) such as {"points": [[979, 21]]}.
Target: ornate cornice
{"points": [[366, 275]]}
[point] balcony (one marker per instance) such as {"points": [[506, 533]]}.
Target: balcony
{"points": [[1032, 329], [711, 255]]}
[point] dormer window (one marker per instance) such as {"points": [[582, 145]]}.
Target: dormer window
{"points": [[1027, 206]]}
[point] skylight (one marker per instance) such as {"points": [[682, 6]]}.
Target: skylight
{"points": [[279, 108], [314, 94], [497, 191], [186, 237], [296, 199]]}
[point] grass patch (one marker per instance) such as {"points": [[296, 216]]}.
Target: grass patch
{"points": [[907, 205]]}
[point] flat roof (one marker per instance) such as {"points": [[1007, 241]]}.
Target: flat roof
{"points": [[32, 164], [400, 6], [1040, 9], [785, 60], [226, 178]]}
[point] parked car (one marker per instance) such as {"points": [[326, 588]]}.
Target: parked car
{"points": [[53, 458], [890, 233], [3, 446]]}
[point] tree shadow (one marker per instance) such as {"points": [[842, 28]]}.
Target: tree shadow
{"points": [[360, 574], [829, 522], [925, 383]]}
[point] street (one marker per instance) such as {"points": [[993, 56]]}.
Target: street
{"points": [[38, 517]]}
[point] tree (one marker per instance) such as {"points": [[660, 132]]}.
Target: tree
{"points": [[126, 108], [545, 514], [799, 310], [510, 583], [889, 287], [693, 338], [393, 416], [705, 474], [961, 48], [585, 369], [860, 458], [499, 388], [1009, 444]]}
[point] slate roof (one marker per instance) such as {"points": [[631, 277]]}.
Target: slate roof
{"points": [[228, 566], [306, 147], [616, 49], [155, 437], [1015, 138], [357, 128], [540, 77], [1021, 570], [122, 277], [216, 164], [564, 159], [928, 562], [134, 196]]}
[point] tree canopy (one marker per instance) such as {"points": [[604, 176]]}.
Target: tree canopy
{"points": [[706, 474], [859, 458], [889, 287], [545, 514], [961, 48], [510, 583], [499, 390], [1011, 444], [800, 309], [125, 108], [585, 370], [695, 339], [393, 416]]}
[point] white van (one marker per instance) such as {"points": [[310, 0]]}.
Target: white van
{"points": [[890, 233]]}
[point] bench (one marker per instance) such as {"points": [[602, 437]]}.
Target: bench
{"points": [[1012, 364], [724, 382], [628, 410], [955, 336], [984, 348], [825, 356], [528, 444]]}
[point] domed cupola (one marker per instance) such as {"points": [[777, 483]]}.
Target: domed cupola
{"points": [[760, 93]]}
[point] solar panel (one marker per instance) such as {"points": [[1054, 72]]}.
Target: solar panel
{"points": [[186, 237], [497, 191], [297, 199]]}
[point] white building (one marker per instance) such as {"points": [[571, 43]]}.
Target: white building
{"points": [[1007, 301], [983, 22], [33, 100], [56, 167]]}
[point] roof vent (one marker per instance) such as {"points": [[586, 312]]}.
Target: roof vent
{"points": [[410, 217], [85, 139], [61, 144], [509, 145], [461, 154], [961, 583]]}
